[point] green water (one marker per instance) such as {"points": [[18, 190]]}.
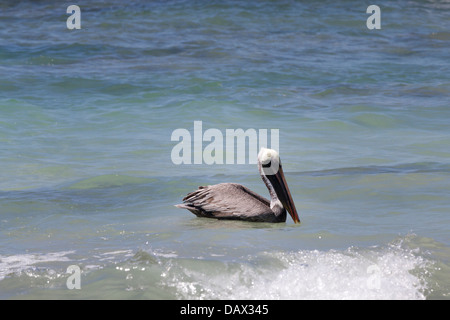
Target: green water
{"points": [[87, 179]]}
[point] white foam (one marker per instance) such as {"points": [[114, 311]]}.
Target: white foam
{"points": [[389, 273], [18, 263]]}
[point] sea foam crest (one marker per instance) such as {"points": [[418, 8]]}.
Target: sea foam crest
{"points": [[388, 273]]}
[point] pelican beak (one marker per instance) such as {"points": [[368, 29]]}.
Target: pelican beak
{"points": [[284, 195]]}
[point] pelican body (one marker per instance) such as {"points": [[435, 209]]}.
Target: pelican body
{"points": [[233, 201]]}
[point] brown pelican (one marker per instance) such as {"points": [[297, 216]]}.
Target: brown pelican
{"points": [[236, 202]]}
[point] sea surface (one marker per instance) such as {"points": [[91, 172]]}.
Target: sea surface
{"points": [[87, 177]]}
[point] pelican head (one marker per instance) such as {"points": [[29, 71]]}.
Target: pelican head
{"points": [[269, 165]]}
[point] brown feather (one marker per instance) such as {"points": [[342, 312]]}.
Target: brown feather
{"points": [[214, 202]]}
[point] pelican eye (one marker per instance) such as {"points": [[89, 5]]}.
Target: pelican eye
{"points": [[267, 165]]}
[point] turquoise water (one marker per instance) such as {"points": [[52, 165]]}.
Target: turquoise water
{"points": [[87, 179]]}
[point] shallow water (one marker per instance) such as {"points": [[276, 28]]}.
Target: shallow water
{"points": [[87, 179]]}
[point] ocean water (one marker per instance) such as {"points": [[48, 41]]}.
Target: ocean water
{"points": [[87, 178]]}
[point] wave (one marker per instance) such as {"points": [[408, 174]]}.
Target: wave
{"points": [[16, 264], [398, 270], [392, 272], [417, 167]]}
